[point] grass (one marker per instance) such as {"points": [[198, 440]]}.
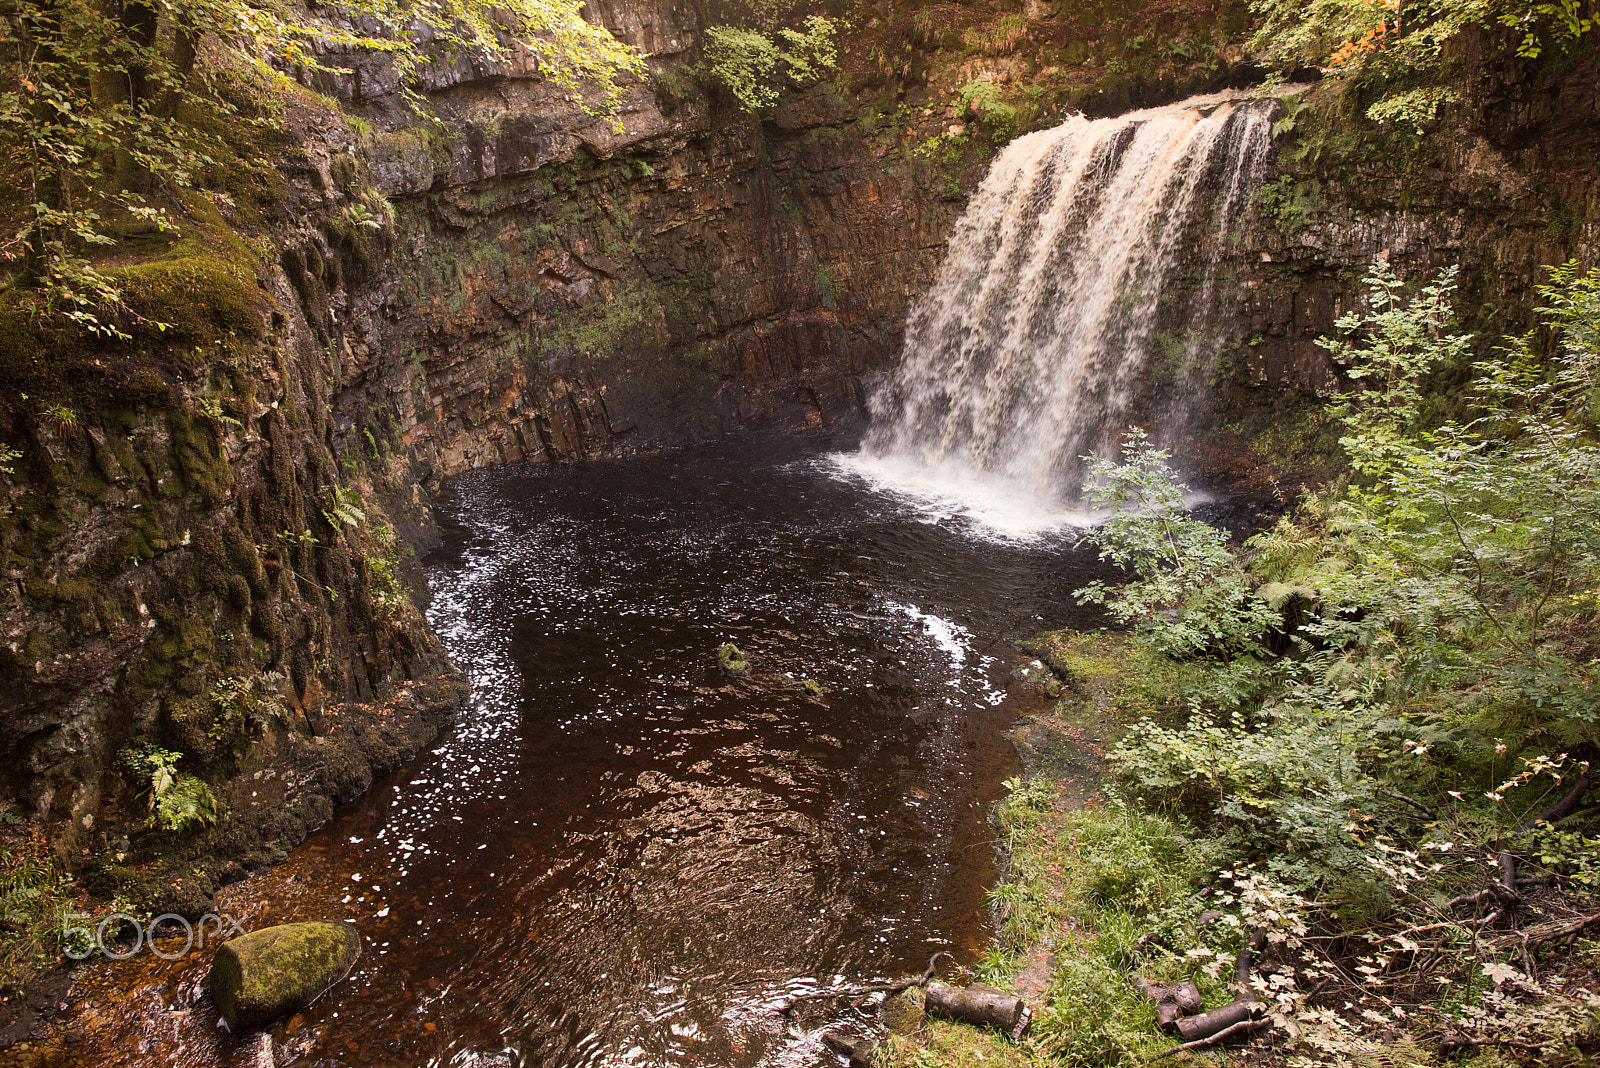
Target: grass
{"points": [[1111, 681], [1087, 883], [1091, 884], [942, 1043]]}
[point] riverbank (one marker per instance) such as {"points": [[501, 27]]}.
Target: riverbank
{"points": [[1103, 888], [1074, 862]]}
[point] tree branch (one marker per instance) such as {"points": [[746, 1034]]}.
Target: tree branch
{"points": [[1413, 802], [1242, 1027]]}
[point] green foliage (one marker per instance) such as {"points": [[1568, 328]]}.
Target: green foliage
{"points": [[1001, 120], [1117, 888], [177, 801], [1377, 43], [1415, 108], [928, 26], [91, 99], [1293, 105], [344, 508], [1390, 350], [238, 704], [1188, 595], [60, 418], [388, 593], [1438, 614], [1000, 37], [1356, 35], [1573, 856], [746, 61], [1286, 786], [35, 893], [26, 876], [1571, 19], [212, 408]]}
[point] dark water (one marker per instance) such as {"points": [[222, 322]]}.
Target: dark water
{"points": [[620, 856]]}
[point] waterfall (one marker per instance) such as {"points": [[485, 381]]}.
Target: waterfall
{"points": [[1053, 322]]}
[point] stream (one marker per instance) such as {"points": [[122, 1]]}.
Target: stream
{"points": [[620, 856]]}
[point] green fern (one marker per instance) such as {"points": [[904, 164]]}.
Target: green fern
{"points": [[177, 802], [344, 508], [22, 885], [188, 801]]}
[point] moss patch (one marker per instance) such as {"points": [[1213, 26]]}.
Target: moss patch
{"points": [[199, 298]]}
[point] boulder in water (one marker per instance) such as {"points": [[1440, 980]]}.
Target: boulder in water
{"points": [[732, 661], [263, 975]]}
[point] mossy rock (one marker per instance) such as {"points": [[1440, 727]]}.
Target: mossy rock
{"points": [[278, 970], [197, 298], [732, 661]]}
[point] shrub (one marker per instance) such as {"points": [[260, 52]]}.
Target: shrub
{"points": [[746, 61]]}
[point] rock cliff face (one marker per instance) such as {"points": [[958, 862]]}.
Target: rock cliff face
{"points": [[180, 578], [558, 288], [214, 557], [1504, 183]]}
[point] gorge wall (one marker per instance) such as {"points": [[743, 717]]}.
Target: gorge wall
{"points": [[1501, 185], [213, 555]]}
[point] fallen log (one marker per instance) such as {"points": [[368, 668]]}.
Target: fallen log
{"points": [[1185, 994], [1246, 1008], [1483, 921], [1209, 1024], [1243, 1027], [1413, 802], [1547, 932], [981, 1005], [977, 1004]]}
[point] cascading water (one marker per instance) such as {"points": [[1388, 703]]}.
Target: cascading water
{"points": [[1052, 315]]}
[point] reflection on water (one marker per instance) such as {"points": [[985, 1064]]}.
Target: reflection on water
{"points": [[619, 856]]}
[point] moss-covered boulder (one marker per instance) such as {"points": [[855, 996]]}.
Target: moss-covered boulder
{"points": [[732, 661], [277, 970]]}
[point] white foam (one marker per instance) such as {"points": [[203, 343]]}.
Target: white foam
{"points": [[937, 493]]}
